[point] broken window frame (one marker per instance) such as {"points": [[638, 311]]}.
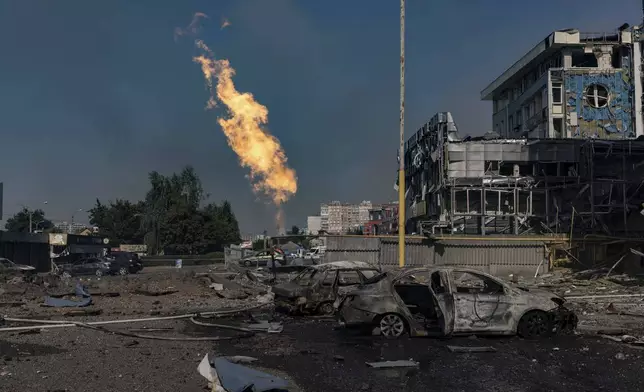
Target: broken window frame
{"points": [[482, 277]]}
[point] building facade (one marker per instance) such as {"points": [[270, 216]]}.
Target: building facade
{"points": [[314, 225], [341, 218], [572, 85]]}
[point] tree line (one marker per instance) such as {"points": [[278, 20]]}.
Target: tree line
{"points": [[174, 218]]}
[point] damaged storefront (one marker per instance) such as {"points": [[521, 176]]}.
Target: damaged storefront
{"points": [[69, 247]]}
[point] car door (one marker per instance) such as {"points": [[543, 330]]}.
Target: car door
{"points": [[439, 286], [481, 303], [327, 285]]}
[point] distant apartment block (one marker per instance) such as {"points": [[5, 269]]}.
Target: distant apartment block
{"points": [[314, 224], [383, 220], [341, 218]]}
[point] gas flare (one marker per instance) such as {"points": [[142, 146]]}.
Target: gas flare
{"points": [[244, 128]]}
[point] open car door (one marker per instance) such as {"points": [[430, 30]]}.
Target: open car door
{"points": [[439, 286]]}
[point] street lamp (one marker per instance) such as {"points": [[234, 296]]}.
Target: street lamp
{"points": [[401, 167], [31, 214]]}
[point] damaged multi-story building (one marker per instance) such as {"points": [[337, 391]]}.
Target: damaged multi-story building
{"points": [[565, 154]]}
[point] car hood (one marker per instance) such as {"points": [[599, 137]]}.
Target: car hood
{"points": [[290, 290], [540, 294]]}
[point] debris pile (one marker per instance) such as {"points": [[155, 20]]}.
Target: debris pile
{"points": [[602, 301]]}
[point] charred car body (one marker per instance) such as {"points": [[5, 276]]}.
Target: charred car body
{"points": [[315, 289], [452, 301]]}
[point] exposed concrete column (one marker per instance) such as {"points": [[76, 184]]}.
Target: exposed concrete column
{"points": [[566, 58], [604, 54], [637, 77]]}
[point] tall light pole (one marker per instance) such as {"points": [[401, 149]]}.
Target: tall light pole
{"points": [[30, 212], [401, 153]]}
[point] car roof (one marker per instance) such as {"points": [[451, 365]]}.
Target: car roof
{"points": [[344, 265], [446, 268]]}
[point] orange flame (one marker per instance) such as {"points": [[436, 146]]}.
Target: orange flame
{"points": [[256, 148]]}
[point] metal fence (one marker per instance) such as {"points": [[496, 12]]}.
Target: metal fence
{"points": [[500, 256]]}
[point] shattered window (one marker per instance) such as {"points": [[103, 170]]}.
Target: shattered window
{"points": [[306, 277], [368, 274], [348, 278], [597, 96], [329, 278], [469, 283]]}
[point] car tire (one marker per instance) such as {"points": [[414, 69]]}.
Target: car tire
{"points": [[99, 273], [325, 309], [123, 271], [391, 325], [534, 324], [247, 263]]}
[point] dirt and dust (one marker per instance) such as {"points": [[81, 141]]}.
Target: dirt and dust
{"points": [[312, 352]]}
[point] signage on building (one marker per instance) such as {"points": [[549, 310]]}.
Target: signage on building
{"points": [[57, 239], [134, 248]]}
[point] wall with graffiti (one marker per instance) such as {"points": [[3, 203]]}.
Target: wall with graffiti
{"points": [[599, 103]]}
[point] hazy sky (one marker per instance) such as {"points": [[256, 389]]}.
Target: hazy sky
{"points": [[95, 94]]}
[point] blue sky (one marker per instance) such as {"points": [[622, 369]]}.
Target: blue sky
{"points": [[95, 94]]}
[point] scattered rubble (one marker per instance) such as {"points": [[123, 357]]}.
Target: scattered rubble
{"points": [[393, 364], [461, 349]]}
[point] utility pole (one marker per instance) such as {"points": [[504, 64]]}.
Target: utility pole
{"points": [[401, 153]]}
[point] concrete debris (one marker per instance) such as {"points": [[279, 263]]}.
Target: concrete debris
{"points": [[620, 356], [462, 349], [266, 327], [628, 339], [216, 286], [154, 293], [393, 364]]}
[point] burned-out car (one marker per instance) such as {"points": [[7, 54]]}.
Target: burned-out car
{"points": [[451, 301], [315, 289]]}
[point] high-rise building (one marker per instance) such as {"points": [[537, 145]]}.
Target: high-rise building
{"points": [[314, 224], [342, 218]]}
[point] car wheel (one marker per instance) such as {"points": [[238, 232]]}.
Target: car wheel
{"points": [[534, 324], [326, 309], [123, 271], [247, 263], [66, 275], [99, 273], [391, 325]]}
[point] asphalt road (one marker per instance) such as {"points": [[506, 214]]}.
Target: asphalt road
{"points": [[315, 357]]}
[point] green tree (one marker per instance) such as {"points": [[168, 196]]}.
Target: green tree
{"points": [[174, 221], [20, 221], [295, 230], [119, 220]]}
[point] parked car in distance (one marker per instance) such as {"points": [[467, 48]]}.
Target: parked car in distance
{"points": [[9, 266], [127, 259], [97, 266], [261, 259], [316, 288], [452, 301]]}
